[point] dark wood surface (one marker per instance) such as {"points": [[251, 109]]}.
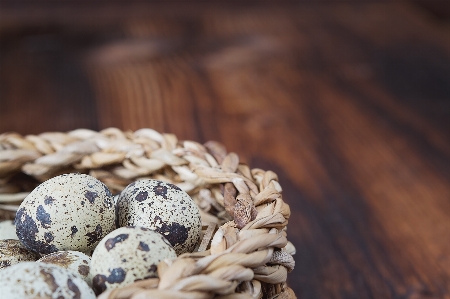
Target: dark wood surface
{"points": [[349, 103]]}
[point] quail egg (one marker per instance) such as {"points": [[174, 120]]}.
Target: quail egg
{"points": [[13, 252], [164, 208], [30, 280], [67, 212], [126, 255], [7, 230], [75, 261]]}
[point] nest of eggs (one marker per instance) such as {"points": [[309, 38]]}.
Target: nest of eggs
{"points": [[243, 250]]}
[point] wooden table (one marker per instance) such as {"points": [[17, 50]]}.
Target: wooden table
{"points": [[349, 103]]}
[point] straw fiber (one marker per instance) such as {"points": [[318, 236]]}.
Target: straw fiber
{"points": [[244, 252]]}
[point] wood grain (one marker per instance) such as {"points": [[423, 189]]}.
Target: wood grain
{"points": [[348, 103]]}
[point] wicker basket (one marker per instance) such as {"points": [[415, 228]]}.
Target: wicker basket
{"points": [[244, 252]]}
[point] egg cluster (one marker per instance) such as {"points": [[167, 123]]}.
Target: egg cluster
{"points": [[85, 241]]}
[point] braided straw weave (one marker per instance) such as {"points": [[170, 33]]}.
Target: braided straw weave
{"points": [[244, 252]]}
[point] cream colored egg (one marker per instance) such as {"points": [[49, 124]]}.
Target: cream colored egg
{"points": [[75, 261], [13, 252], [30, 280], [68, 212], [164, 208], [126, 255], [7, 230]]}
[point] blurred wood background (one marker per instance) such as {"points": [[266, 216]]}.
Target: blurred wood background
{"points": [[348, 102]]}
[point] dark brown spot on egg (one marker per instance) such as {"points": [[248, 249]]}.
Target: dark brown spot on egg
{"points": [[143, 247], [48, 200], [110, 243], [160, 190], [83, 270], [43, 217], [63, 259], [98, 284], [91, 196], [94, 236], [117, 275], [73, 287], [172, 186], [74, 230], [45, 248], [48, 237], [174, 232], [49, 279], [141, 196], [26, 230]]}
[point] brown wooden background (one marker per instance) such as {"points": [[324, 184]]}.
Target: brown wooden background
{"points": [[349, 102]]}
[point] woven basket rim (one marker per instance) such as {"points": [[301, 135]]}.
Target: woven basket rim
{"points": [[244, 252]]}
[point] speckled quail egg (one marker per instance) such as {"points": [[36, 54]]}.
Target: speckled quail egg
{"points": [[126, 255], [31, 280], [75, 261], [13, 252], [164, 208], [8, 230], [68, 212]]}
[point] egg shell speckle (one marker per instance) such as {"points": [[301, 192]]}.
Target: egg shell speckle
{"points": [[8, 230], [68, 212], [30, 280], [13, 252], [164, 208], [126, 255], [75, 261]]}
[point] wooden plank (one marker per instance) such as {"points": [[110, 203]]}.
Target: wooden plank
{"points": [[359, 197], [42, 85]]}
